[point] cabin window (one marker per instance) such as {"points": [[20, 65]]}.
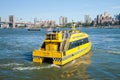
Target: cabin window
{"points": [[43, 45], [48, 36], [78, 43], [51, 37]]}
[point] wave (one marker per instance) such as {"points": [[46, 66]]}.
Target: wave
{"points": [[36, 68], [11, 64], [114, 52], [73, 61], [54, 65]]}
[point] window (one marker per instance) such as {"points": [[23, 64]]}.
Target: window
{"points": [[43, 45], [78, 43], [51, 36]]}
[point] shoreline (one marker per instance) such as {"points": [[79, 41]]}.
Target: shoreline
{"points": [[106, 27]]}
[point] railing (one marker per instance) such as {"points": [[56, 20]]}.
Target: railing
{"points": [[64, 43]]}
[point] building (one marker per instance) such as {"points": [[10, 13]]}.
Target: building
{"points": [[47, 23], [62, 20], [35, 21], [53, 23], [104, 18], [87, 19], [11, 21], [0, 22]]}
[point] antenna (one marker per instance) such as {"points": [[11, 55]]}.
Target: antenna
{"points": [[73, 25]]}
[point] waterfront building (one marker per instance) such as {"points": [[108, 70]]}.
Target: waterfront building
{"points": [[65, 20], [41, 23], [87, 19], [62, 20], [0, 22], [53, 23], [104, 18], [94, 22], [98, 19], [47, 23], [35, 21]]}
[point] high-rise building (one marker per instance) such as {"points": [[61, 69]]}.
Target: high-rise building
{"points": [[62, 20], [0, 22], [104, 18], [65, 20], [35, 21], [87, 19], [98, 19], [11, 21], [53, 23]]}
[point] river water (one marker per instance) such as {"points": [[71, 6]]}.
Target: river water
{"points": [[101, 63]]}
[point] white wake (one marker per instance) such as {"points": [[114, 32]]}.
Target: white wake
{"points": [[36, 67]]}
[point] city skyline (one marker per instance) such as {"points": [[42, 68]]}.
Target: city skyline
{"points": [[52, 9]]}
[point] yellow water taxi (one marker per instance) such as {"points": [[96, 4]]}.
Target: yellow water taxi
{"points": [[61, 47]]}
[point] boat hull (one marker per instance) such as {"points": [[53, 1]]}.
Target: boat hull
{"points": [[61, 58], [33, 29]]}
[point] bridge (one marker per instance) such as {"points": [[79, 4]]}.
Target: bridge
{"points": [[12, 25]]}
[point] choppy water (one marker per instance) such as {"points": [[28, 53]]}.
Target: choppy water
{"points": [[102, 63]]}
